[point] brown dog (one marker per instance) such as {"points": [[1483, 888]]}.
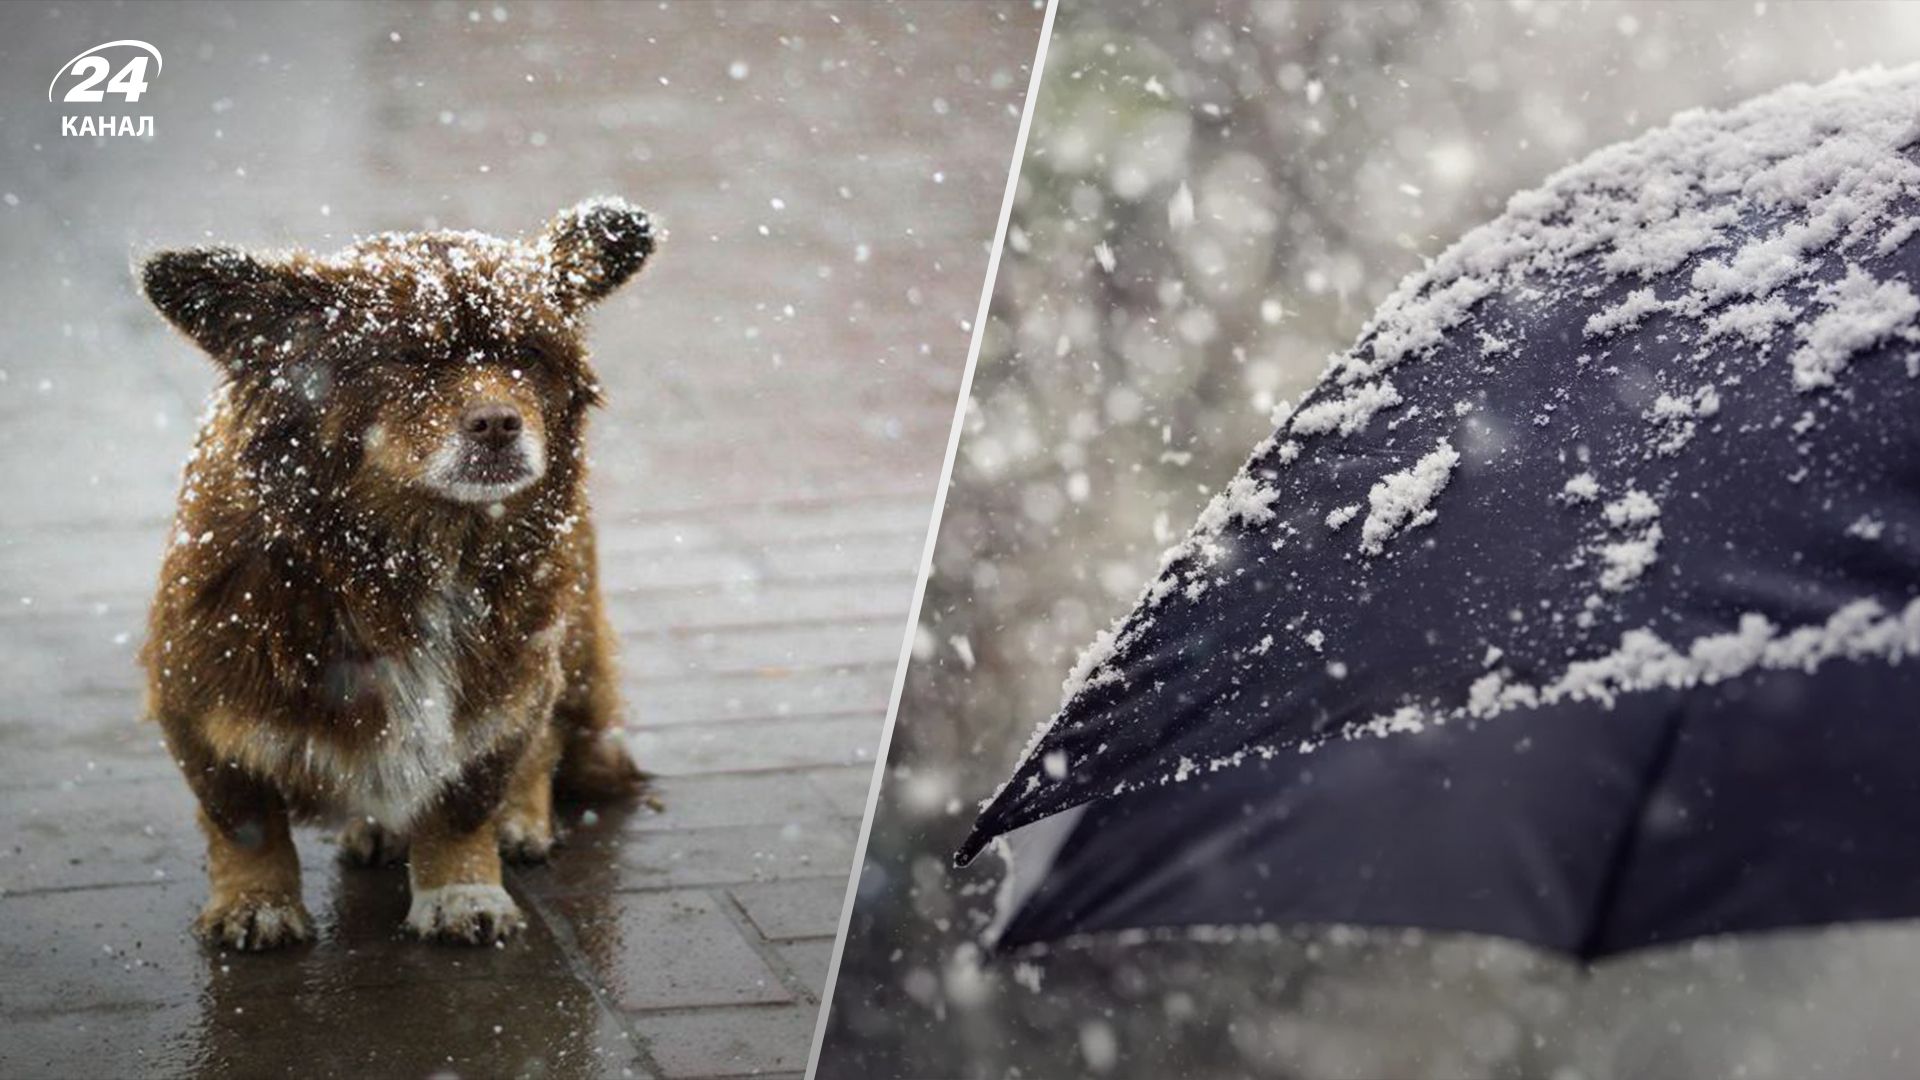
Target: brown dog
{"points": [[381, 598]]}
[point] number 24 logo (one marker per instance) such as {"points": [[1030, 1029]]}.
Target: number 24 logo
{"points": [[130, 81]]}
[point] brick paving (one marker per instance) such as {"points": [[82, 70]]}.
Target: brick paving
{"points": [[780, 386]]}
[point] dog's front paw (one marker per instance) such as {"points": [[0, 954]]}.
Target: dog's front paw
{"points": [[526, 839], [365, 843], [254, 923], [469, 913]]}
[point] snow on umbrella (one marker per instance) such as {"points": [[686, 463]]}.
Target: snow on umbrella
{"points": [[1574, 604]]}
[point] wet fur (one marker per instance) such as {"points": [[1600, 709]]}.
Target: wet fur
{"points": [[332, 634]]}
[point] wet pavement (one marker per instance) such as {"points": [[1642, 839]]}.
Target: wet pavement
{"points": [[781, 382]]}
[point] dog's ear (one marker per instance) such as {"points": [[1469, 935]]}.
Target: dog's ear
{"points": [[595, 247], [232, 304]]}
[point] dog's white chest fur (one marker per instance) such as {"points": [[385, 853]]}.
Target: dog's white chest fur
{"points": [[418, 752]]}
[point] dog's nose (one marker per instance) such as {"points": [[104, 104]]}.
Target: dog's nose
{"points": [[492, 426]]}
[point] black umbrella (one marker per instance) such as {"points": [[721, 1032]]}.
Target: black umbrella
{"points": [[1573, 604]]}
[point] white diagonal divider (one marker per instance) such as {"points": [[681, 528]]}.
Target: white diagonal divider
{"points": [[933, 537]]}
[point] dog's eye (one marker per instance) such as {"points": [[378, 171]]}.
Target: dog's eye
{"points": [[404, 358]]}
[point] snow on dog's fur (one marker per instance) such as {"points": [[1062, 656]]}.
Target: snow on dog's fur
{"points": [[381, 600]]}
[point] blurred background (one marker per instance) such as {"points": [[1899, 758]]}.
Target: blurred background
{"points": [[780, 385], [1215, 196]]}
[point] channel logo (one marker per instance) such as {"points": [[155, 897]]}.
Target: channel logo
{"points": [[92, 78]]}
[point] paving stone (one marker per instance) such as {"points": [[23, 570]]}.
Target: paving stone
{"points": [[668, 554], [662, 950], [125, 947], [69, 836], [75, 652], [757, 744], [809, 959], [846, 788], [43, 566], [697, 857], [758, 650], [785, 910], [729, 1042], [509, 1027], [879, 600], [132, 946], [629, 531], [704, 566], [68, 743], [888, 505], [893, 553], [732, 799], [773, 692], [139, 1040], [486, 1027], [904, 516]]}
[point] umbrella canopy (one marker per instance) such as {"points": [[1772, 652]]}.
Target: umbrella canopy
{"points": [[1573, 604]]}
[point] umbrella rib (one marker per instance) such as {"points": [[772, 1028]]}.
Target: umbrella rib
{"points": [[1624, 848]]}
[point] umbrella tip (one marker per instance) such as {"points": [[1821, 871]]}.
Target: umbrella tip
{"points": [[970, 848]]}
